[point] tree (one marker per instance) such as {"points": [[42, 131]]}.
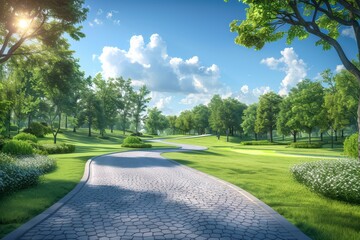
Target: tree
{"points": [[155, 121], [308, 101], [267, 113], [233, 111], [140, 100], [201, 116], [249, 120], [172, 123], [266, 21], [185, 121], [43, 21], [91, 108], [216, 119], [126, 103], [287, 123]]}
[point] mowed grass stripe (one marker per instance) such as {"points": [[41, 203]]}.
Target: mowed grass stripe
{"points": [[268, 178]]}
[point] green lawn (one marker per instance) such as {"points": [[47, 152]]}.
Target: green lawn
{"points": [[21, 206], [264, 172]]}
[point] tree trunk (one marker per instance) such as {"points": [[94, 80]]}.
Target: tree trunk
{"points": [[256, 137], [74, 129], [342, 133], [29, 121], [65, 121], [321, 136], [358, 120], [335, 135], [89, 134], [309, 136], [112, 129], [271, 135], [55, 138], [294, 135], [332, 139]]}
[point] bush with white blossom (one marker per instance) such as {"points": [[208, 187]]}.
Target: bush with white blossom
{"points": [[21, 172], [337, 179]]}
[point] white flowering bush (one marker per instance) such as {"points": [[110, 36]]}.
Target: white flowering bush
{"points": [[17, 173], [337, 179]]}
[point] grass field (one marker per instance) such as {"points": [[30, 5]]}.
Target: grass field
{"points": [[264, 172], [21, 206]]}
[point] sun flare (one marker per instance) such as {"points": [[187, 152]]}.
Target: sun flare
{"points": [[23, 23]]}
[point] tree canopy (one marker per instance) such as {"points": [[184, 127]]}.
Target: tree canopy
{"points": [[44, 21]]}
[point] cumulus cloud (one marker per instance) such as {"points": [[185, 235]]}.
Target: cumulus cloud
{"points": [[249, 96], [290, 63], [94, 56], [339, 68], [98, 21], [348, 32], [244, 89], [150, 64]]}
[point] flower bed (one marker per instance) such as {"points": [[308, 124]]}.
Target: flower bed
{"points": [[337, 179]]}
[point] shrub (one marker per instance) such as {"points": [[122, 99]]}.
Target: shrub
{"points": [[26, 137], [137, 145], [38, 129], [139, 134], [351, 147], [2, 142], [16, 147], [337, 179], [135, 142], [131, 140], [57, 148], [261, 142], [17, 173], [305, 145]]}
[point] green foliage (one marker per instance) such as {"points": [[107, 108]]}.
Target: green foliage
{"points": [[249, 119], [140, 101], [201, 114], [337, 179], [138, 134], [135, 142], [131, 140], [13, 127], [18, 173], [262, 142], [267, 113], [306, 145], [185, 121], [351, 146], [26, 137], [38, 129], [58, 148], [155, 121], [16, 147]]}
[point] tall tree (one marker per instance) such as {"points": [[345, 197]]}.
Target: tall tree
{"points": [[267, 113], [125, 105], [249, 120], [185, 121], [43, 21], [155, 121], [141, 100], [308, 105], [216, 119], [201, 116], [172, 123], [269, 21], [287, 123], [233, 111]]}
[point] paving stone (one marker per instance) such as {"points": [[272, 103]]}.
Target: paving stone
{"points": [[141, 195]]}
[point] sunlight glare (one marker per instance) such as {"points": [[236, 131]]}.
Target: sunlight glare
{"points": [[23, 23]]}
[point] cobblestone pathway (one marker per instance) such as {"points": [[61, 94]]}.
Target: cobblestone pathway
{"points": [[140, 195]]}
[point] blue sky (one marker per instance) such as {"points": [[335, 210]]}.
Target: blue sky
{"points": [[184, 52]]}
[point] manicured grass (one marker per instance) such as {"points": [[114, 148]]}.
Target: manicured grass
{"points": [[267, 177], [21, 206]]}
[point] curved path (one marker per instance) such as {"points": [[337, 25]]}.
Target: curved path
{"points": [[141, 195]]}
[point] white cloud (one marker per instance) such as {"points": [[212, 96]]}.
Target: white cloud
{"points": [[109, 15], [248, 96], [244, 89], [94, 56], [290, 63], [348, 32], [98, 21], [91, 24], [149, 63], [339, 68], [163, 103], [116, 22]]}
